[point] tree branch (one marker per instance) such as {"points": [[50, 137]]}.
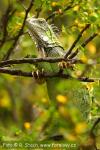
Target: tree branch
{"points": [[75, 42], [49, 59], [45, 75], [15, 72], [83, 45], [89, 39], [5, 18], [38, 60], [20, 32], [38, 10], [65, 9], [29, 60]]}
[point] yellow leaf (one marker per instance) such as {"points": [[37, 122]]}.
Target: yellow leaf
{"points": [[20, 14], [4, 99], [76, 8], [91, 48], [27, 125], [53, 4], [84, 59], [79, 24], [70, 40], [70, 137], [61, 99], [80, 127], [90, 86], [45, 100], [63, 111], [18, 26]]}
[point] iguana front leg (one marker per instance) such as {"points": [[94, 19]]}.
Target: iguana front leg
{"points": [[38, 75], [38, 71]]}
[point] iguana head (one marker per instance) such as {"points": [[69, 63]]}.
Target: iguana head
{"points": [[45, 37], [42, 31]]}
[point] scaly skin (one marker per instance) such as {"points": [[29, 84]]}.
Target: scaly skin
{"points": [[45, 37], [49, 46]]}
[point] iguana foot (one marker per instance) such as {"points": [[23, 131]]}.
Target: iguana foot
{"points": [[63, 65], [38, 76]]}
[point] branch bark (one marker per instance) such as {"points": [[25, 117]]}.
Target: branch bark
{"points": [[45, 75], [20, 32], [75, 42], [37, 60], [72, 55], [64, 10]]}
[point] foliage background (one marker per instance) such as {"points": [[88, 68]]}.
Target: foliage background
{"points": [[26, 113]]}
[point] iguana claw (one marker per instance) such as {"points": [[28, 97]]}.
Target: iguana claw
{"points": [[38, 76], [63, 65]]}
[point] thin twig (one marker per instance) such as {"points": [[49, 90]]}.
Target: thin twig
{"points": [[73, 54], [20, 32], [39, 10], [5, 19], [49, 59], [89, 39], [75, 42], [83, 45], [65, 9]]}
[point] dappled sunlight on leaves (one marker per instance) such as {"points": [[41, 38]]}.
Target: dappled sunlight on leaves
{"points": [[91, 48], [84, 59], [53, 4], [5, 99], [63, 111], [61, 99], [80, 127], [27, 125], [67, 102], [90, 86]]}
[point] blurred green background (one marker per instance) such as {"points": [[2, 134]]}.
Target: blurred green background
{"points": [[26, 113]]}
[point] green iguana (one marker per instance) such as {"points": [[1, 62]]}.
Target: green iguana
{"points": [[49, 46]]}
